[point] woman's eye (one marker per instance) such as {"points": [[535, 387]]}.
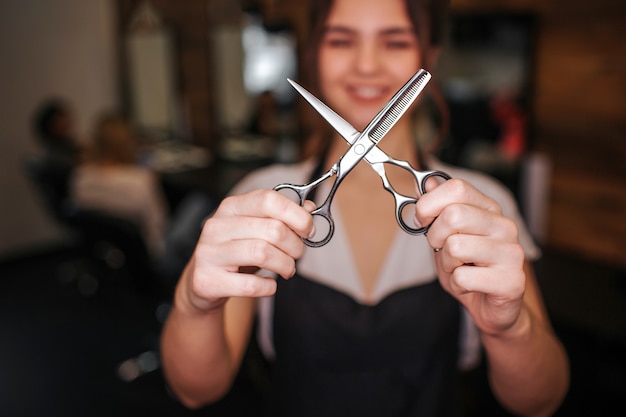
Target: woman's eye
{"points": [[338, 42], [399, 44]]}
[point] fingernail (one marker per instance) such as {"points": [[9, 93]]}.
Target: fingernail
{"points": [[312, 232]]}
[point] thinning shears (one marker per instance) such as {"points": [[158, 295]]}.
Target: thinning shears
{"points": [[363, 146]]}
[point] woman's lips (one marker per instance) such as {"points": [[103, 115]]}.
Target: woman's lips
{"points": [[367, 93]]}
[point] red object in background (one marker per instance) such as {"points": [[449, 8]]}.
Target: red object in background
{"points": [[512, 121]]}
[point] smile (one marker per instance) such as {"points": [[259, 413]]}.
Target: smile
{"points": [[367, 92]]}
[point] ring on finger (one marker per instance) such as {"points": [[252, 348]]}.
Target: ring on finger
{"points": [[434, 249]]}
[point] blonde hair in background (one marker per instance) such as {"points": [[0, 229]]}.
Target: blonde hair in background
{"points": [[115, 141]]}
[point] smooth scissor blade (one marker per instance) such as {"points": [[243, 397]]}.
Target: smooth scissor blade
{"points": [[342, 127], [345, 129]]}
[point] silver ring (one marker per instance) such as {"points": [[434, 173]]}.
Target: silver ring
{"points": [[436, 250]]}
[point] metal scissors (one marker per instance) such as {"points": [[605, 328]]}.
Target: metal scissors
{"points": [[363, 146]]}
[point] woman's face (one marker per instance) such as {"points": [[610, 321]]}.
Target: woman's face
{"points": [[368, 51]]}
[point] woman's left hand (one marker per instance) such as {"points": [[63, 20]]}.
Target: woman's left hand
{"points": [[478, 257]]}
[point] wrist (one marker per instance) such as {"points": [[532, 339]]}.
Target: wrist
{"points": [[521, 329], [188, 302]]}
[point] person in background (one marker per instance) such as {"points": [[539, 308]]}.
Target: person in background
{"points": [[264, 119], [53, 125], [54, 128], [111, 180], [376, 322]]}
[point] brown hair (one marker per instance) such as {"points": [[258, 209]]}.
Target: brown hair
{"points": [[428, 18], [114, 140]]}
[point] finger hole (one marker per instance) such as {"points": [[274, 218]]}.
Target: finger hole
{"points": [[321, 233], [290, 193], [433, 181], [408, 220]]}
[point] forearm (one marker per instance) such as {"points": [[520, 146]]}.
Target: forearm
{"points": [[197, 361], [206, 337], [528, 367]]}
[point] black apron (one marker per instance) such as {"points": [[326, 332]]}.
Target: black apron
{"points": [[336, 357]]}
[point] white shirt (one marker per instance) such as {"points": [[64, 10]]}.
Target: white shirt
{"points": [[131, 192], [410, 261]]}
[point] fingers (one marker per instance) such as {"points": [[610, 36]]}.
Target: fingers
{"points": [[231, 255], [246, 229], [492, 286], [471, 220], [455, 207], [258, 230], [434, 181], [451, 192], [479, 259], [262, 229], [222, 285], [269, 204], [204, 287], [468, 257]]}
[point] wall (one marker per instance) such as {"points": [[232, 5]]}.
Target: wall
{"points": [[60, 47], [581, 124], [579, 120]]}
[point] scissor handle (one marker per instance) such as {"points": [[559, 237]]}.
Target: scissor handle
{"points": [[403, 201], [302, 191], [422, 177], [322, 211]]}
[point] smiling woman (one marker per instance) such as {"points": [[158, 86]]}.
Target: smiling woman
{"points": [[359, 325], [363, 67]]}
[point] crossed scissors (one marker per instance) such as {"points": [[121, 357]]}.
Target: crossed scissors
{"points": [[363, 146]]}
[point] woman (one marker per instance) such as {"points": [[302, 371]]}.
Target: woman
{"points": [[373, 322], [113, 181]]}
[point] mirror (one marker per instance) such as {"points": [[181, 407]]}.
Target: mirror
{"points": [[151, 71], [253, 101]]}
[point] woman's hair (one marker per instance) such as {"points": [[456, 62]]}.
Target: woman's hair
{"points": [[46, 122], [114, 140], [428, 18]]}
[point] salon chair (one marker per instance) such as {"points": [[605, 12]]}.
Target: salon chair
{"points": [[51, 181], [117, 251], [110, 249]]}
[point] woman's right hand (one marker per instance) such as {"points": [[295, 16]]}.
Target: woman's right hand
{"points": [[258, 230]]}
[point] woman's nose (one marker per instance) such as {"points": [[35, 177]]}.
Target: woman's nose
{"points": [[367, 58]]}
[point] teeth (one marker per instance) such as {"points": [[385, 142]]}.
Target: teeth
{"points": [[368, 92]]}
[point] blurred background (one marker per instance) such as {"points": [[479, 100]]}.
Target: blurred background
{"points": [[537, 97]]}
